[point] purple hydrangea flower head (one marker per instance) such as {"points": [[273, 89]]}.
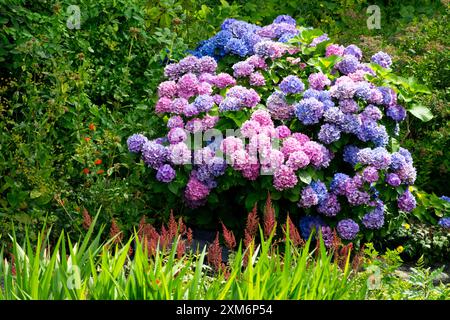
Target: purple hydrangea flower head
{"points": [[195, 189], [334, 49], [207, 65], [309, 197], [176, 135], [348, 105], [285, 19], [319, 39], [204, 103], [381, 58], [175, 122], [444, 223], [190, 110], [372, 112], [329, 133], [327, 236], [230, 104], [396, 112], [278, 107], [363, 90], [180, 153], [348, 64], [343, 88], [237, 47], [284, 178], [257, 79], [320, 189], [262, 117], [329, 206], [270, 49], [167, 89], [389, 96], [282, 132], [242, 69], [135, 142], [297, 160], [223, 80], [154, 154], [351, 154], [370, 174], [339, 183], [163, 105], [318, 81], [165, 173], [292, 84], [374, 219], [445, 198], [393, 179], [347, 229], [353, 51], [309, 111], [351, 124], [406, 202], [217, 166]]}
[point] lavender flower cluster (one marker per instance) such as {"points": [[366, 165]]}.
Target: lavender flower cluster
{"points": [[288, 126]]}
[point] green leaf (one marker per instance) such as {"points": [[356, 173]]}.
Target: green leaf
{"points": [[173, 187], [305, 177], [35, 194], [421, 112]]}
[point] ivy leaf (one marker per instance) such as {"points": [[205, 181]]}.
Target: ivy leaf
{"points": [[421, 112]]}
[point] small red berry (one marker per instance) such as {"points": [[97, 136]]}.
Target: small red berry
{"points": [[98, 161], [85, 170]]}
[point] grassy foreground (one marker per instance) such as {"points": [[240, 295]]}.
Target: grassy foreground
{"points": [[90, 269]]}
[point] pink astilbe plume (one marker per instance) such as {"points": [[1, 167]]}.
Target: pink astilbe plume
{"points": [[87, 220], [269, 218], [181, 248], [251, 227], [294, 235], [172, 226], [215, 254], [229, 238], [114, 232], [189, 236]]}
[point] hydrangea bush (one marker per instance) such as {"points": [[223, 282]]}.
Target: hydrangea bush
{"points": [[281, 108]]}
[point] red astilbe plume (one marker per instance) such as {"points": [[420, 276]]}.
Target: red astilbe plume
{"points": [[181, 227], [343, 254], [165, 237], [358, 259], [336, 245], [148, 235], [13, 265], [228, 236], [87, 220], [189, 237], [215, 254], [172, 226], [294, 236], [269, 218], [251, 227], [181, 248], [114, 232]]}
